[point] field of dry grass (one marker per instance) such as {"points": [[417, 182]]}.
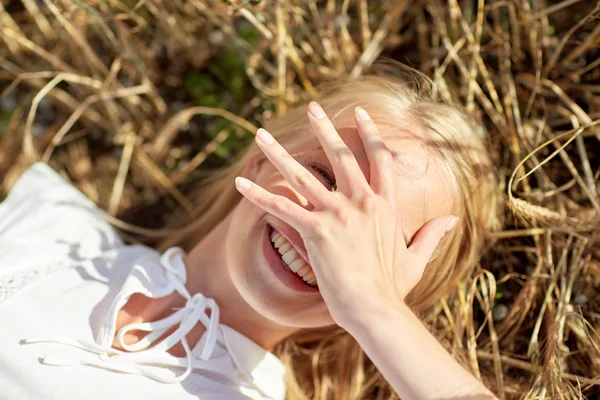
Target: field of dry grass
{"points": [[133, 99]]}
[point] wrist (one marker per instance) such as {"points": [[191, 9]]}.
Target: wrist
{"points": [[372, 312]]}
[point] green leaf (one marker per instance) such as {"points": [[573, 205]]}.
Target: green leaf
{"points": [[249, 33], [198, 84]]}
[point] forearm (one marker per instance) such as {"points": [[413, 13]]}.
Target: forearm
{"points": [[411, 359]]}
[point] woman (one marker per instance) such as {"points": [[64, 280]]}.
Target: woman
{"points": [[323, 258]]}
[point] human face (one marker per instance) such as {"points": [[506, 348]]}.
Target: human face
{"points": [[421, 189]]}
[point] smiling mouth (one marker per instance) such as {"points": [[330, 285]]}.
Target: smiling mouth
{"points": [[290, 259]]}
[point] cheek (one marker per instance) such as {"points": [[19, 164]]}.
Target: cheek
{"points": [[245, 220]]}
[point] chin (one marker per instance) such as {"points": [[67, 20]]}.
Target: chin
{"points": [[285, 303], [263, 280], [290, 314], [277, 305]]}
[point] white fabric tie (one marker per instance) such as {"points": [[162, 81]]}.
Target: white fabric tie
{"points": [[145, 352]]}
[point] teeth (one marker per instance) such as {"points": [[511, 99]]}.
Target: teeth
{"points": [[310, 281], [309, 277], [289, 256], [304, 270], [284, 248], [297, 265], [292, 260], [279, 240]]}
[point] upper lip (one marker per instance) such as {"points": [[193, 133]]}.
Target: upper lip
{"points": [[294, 238]]}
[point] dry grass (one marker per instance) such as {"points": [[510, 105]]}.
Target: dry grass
{"points": [[121, 97]]}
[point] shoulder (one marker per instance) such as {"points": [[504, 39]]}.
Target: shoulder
{"points": [[43, 208], [46, 225], [40, 183]]}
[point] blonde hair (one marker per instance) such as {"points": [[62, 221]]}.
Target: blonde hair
{"points": [[327, 363]]}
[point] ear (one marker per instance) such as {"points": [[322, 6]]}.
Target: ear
{"points": [[252, 168]]}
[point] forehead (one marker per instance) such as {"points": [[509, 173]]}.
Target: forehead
{"points": [[422, 185]]}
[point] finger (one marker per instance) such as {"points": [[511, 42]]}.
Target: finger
{"points": [[348, 175], [299, 177], [429, 236], [279, 206], [378, 154]]}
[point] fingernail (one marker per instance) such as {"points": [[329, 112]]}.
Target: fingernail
{"points": [[243, 183], [264, 136], [316, 110], [362, 114], [450, 224]]}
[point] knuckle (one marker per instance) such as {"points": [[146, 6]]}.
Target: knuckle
{"points": [[303, 178], [342, 155], [280, 205], [319, 228], [342, 215], [368, 203]]}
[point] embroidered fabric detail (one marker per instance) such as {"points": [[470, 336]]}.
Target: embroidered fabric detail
{"points": [[11, 284]]}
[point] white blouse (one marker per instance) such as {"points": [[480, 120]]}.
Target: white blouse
{"points": [[65, 274]]}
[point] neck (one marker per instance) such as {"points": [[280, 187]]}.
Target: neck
{"points": [[208, 273]]}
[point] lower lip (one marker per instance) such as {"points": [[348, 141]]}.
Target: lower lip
{"points": [[285, 276]]}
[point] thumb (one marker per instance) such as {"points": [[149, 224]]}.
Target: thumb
{"points": [[429, 236]]}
